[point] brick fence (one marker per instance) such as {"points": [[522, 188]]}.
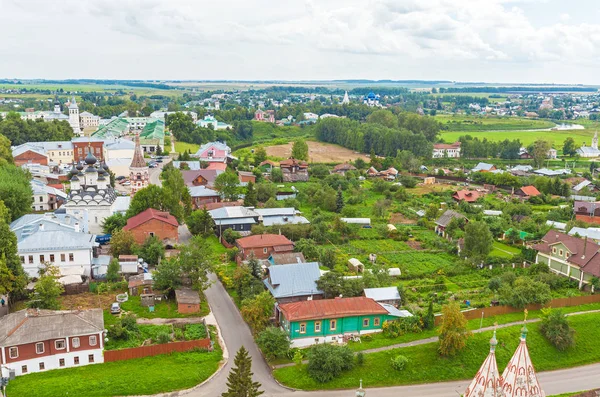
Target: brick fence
{"points": [[155, 350], [499, 310]]}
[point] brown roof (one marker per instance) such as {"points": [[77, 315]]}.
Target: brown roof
{"points": [[209, 175], [29, 326], [454, 145], [136, 281], [288, 257], [187, 296], [331, 308], [128, 258], [264, 240], [138, 158], [293, 162], [469, 196], [583, 252], [586, 207], [148, 215], [530, 191], [344, 167]]}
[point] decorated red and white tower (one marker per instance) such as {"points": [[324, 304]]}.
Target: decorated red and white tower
{"points": [[139, 174], [519, 377], [487, 382]]}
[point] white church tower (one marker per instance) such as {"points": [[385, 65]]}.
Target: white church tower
{"points": [[346, 99], [74, 117]]}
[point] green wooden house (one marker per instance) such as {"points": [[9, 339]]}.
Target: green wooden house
{"points": [[333, 320]]}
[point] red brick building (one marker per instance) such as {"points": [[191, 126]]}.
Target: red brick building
{"points": [[80, 149], [246, 177], [188, 300], [263, 245], [31, 157], [42, 340], [151, 222]]}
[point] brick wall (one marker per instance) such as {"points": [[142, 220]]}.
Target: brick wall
{"points": [[30, 157], [186, 308], [80, 150], [161, 230]]}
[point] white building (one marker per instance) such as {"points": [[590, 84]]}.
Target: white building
{"points": [[590, 151], [55, 238], [91, 196], [442, 150], [88, 120], [161, 114], [58, 152], [74, 117], [43, 340], [118, 148], [211, 122], [46, 198]]}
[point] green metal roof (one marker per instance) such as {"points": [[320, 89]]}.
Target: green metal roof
{"points": [[115, 128]]}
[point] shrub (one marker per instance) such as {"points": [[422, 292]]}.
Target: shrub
{"points": [[195, 331], [495, 283], [556, 329], [327, 362], [525, 291], [163, 337], [453, 331], [298, 357], [360, 358], [402, 325], [399, 362], [273, 342], [231, 235]]}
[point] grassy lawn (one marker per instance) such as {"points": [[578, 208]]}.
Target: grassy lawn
{"points": [[377, 370], [147, 332], [144, 376], [526, 137], [181, 147], [460, 122], [163, 309], [504, 251]]}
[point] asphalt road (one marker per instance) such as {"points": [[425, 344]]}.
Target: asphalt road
{"points": [[236, 333]]}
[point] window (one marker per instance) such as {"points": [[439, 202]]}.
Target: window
{"points": [[332, 324], [317, 326], [303, 328], [75, 343], [71, 257], [22, 259], [42, 367], [24, 369], [264, 250], [151, 234], [61, 362], [39, 348], [93, 340], [59, 344], [365, 322], [30, 259], [91, 358], [376, 321], [41, 258], [554, 250], [13, 352], [76, 360], [62, 257], [41, 199], [560, 252], [52, 258]]}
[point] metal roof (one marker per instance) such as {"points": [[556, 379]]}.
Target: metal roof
{"points": [[296, 279], [382, 294]]}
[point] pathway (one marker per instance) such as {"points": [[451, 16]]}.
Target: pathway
{"points": [[169, 321], [436, 338]]}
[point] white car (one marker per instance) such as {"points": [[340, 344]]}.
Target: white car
{"points": [[127, 183]]}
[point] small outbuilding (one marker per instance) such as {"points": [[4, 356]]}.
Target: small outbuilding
{"points": [[355, 265], [389, 295], [188, 300]]}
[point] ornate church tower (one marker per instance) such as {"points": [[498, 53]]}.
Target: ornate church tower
{"points": [[487, 382], [74, 117], [346, 100], [139, 174]]}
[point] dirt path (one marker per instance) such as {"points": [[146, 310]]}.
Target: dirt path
{"points": [[435, 338], [169, 321]]}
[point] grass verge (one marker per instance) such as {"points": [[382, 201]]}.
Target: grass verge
{"points": [[377, 370]]}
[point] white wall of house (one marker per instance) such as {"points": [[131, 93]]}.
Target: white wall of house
{"points": [[33, 261], [53, 362]]}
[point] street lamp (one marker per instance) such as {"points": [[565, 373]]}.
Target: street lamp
{"points": [[361, 392]]}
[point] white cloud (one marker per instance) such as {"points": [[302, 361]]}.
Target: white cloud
{"points": [[310, 39]]}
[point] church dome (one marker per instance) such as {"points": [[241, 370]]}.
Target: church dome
{"points": [[90, 169], [73, 171], [79, 166], [74, 179], [101, 177], [90, 159]]}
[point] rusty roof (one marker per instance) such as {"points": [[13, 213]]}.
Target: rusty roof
{"points": [[331, 308]]}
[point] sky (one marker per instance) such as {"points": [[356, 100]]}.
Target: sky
{"points": [[504, 41]]}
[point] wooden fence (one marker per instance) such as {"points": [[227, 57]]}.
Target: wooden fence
{"points": [[499, 310], [155, 350]]}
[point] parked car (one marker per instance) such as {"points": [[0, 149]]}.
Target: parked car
{"points": [[123, 181], [103, 238], [115, 308], [127, 183], [120, 178], [159, 160]]}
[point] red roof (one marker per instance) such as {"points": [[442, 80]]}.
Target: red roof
{"points": [[150, 214], [263, 240], [582, 252], [344, 167], [293, 162], [216, 166], [470, 196], [454, 145], [530, 191], [331, 308]]}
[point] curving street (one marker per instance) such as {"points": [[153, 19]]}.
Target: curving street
{"points": [[236, 333]]}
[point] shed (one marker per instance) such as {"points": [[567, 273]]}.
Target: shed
{"points": [[188, 300], [128, 264], [356, 265], [389, 295], [430, 180], [394, 272], [141, 284]]}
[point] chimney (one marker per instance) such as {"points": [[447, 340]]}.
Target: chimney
{"points": [[77, 228]]}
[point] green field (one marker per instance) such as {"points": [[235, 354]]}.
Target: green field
{"points": [[377, 370], [144, 376], [181, 147], [458, 122], [526, 137]]}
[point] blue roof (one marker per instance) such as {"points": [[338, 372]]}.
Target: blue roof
{"points": [[296, 279]]}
